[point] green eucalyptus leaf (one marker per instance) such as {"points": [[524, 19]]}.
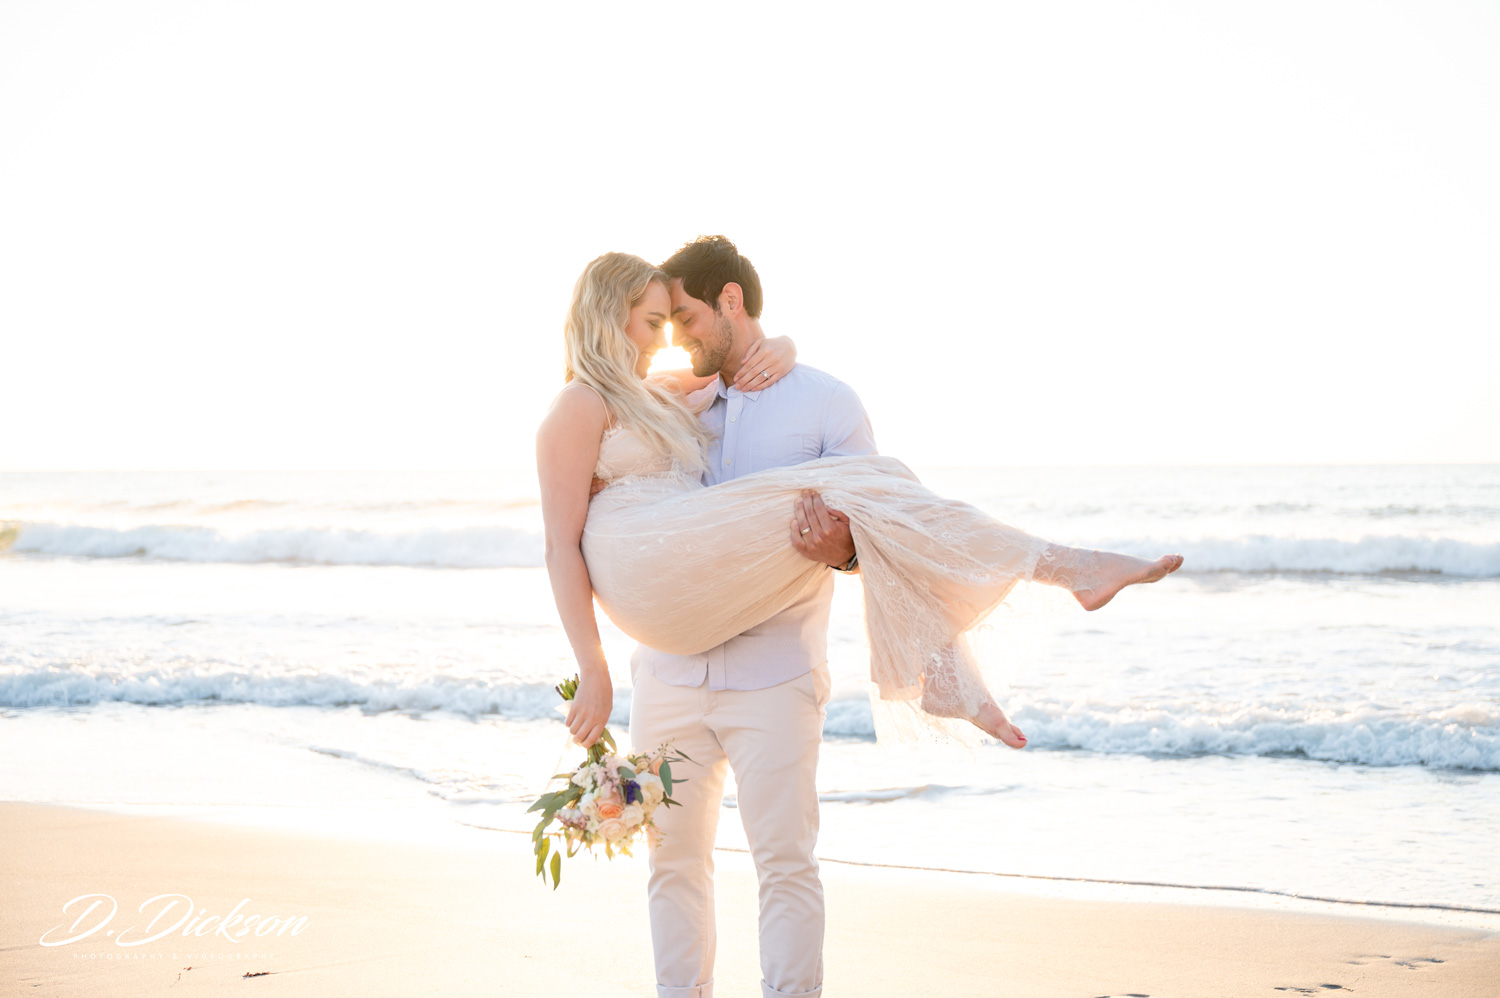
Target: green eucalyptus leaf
{"points": [[556, 869]]}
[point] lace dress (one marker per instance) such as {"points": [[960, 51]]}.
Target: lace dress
{"points": [[682, 567]]}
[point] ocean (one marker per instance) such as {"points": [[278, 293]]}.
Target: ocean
{"points": [[1311, 706]]}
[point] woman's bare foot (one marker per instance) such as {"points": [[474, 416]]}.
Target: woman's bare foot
{"points": [[989, 718], [993, 722], [1121, 570]]}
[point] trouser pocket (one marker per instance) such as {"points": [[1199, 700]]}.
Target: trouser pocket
{"points": [[822, 685]]}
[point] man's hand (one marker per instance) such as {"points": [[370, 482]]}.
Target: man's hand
{"points": [[819, 533], [596, 487]]}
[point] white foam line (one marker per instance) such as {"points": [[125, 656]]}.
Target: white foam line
{"points": [[494, 546], [1154, 884]]}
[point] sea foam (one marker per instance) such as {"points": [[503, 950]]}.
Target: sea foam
{"points": [[1466, 736], [465, 547], [508, 547], [1368, 555]]}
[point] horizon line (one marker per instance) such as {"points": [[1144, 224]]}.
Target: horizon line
{"points": [[929, 467]]}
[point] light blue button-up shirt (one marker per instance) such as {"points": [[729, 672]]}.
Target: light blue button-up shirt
{"points": [[806, 415]]}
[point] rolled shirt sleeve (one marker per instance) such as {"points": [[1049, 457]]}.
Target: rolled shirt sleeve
{"points": [[846, 425]]}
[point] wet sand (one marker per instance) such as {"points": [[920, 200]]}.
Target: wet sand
{"points": [[367, 916]]}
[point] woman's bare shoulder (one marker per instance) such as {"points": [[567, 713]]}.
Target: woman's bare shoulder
{"points": [[577, 398], [577, 406]]}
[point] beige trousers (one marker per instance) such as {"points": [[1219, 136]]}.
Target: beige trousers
{"points": [[770, 737]]}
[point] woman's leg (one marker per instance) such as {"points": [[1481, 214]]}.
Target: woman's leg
{"points": [[953, 687], [1094, 577]]}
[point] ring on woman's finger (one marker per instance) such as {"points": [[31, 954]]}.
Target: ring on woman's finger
{"points": [[765, 374]]}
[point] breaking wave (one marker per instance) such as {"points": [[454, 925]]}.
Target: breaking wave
{"points": [[1466, 736], [506, 547], [465, 547]]}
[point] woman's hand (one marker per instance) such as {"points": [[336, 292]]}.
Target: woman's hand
{"points": [[766, 362], [589, 710]]}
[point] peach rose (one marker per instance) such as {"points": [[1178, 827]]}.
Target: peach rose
{"points": [[611, 829], [610, 805]]}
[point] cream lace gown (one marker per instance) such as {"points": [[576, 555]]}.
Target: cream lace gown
{"points": [[682, 567]]}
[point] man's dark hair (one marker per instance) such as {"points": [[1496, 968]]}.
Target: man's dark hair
{"points": [[707, 264]]}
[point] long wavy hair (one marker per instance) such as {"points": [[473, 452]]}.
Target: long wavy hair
{"points": [[600, 355]]}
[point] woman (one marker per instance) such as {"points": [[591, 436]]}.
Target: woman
{"points": [[683, 568]]}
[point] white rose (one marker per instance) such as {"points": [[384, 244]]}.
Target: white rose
{"points": [[652, 787], [586, 804], [611, 829], [633, 815]]}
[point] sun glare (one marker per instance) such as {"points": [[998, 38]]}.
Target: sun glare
{"points": [[671, 358]]}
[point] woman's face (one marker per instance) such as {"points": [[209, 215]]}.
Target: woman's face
{"points": [[647, 325]]}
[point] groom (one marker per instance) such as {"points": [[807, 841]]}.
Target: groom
{"points": [[756, 703]]}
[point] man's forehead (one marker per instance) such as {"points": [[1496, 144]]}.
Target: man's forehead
{"points": [[682, 301]]}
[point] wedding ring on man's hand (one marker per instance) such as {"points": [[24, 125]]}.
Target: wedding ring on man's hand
{"points": [[806, 531]]}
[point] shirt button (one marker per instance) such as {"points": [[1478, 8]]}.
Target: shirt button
{"points": [[727, 461], [733, 418]]}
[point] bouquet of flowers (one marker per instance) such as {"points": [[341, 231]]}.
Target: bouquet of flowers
{"points": [[609, 799]]}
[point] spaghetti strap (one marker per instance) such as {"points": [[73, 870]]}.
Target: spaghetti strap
{"points": [[610, 423]]}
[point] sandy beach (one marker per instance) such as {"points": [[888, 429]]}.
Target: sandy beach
{"points": [[365, 915], [296, 299]]}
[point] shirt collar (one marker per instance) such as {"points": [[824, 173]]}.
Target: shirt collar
{"points": [[727, 393]]}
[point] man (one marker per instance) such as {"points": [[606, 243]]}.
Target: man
{"points": [[757, 702]]}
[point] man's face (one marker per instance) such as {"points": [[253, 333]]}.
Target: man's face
{"points": [[702, 332]]}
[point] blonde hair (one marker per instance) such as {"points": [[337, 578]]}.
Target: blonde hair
{"points": [[601, 355]]}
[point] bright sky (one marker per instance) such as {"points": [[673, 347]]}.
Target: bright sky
{"points": [[338, 234]]}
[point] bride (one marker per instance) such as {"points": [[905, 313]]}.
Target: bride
{"points": [[682, 567]]}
